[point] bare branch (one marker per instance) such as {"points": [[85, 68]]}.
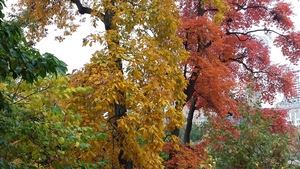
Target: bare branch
{"points": [[244, 7], [252, 31], [245, 66]]}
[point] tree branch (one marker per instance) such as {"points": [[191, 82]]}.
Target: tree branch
{"points": [[242, 7], [252, 31], [82, 9], [245, 66], [105, 18], [26, 97]]}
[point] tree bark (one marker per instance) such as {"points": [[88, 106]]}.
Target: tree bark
{"points": [[189, 121]]}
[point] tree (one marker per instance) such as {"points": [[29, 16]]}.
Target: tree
{"points": [[261, 139], [137, 84], [228, 56]]}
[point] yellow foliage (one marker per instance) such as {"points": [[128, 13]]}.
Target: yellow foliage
{"points": [[138, 68]]}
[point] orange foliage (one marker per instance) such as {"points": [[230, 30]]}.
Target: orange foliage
{"points": [[230, 60], [228, 57], [191, 156]]}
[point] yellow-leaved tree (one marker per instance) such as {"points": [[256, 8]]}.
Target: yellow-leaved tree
{"points": [[137, 83]]}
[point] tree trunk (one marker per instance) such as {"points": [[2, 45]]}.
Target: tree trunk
{"points": [[189, 121]]}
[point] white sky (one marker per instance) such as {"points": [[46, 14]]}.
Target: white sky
{"points": [[71, 50]]}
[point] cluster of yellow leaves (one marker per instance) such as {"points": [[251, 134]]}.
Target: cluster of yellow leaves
{"points": [[37, 15], [222, 6]]}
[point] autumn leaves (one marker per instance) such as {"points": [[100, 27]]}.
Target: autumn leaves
{"points": [[154, 55]]}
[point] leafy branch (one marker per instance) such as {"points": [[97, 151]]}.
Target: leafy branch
{"points": [[36, 92]]}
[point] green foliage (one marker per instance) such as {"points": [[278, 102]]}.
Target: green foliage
{"points": [[37, 131], [6, 165], [19, 59], [164, 156], [250, 144]]}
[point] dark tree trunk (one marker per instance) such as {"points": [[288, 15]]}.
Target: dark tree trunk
{"points": [[124, 162], [189, 91], [189, 121]]}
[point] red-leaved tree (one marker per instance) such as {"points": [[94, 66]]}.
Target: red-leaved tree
{"points": [[231, 57]]}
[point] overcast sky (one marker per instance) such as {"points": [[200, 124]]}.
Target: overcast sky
{"points": [[70, 50]]}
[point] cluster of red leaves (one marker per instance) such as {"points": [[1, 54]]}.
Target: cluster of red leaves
{"points": [[219, 126], [278, 120], [187, 156]]}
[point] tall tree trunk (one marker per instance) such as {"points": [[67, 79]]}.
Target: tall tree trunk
{"points": [[189, 91], [189, 121]]}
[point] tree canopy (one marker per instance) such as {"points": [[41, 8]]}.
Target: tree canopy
{"points": [[229, 58]]}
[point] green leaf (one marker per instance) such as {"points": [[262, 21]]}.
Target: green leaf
{"points": [[85, 145], [101, 136]]}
